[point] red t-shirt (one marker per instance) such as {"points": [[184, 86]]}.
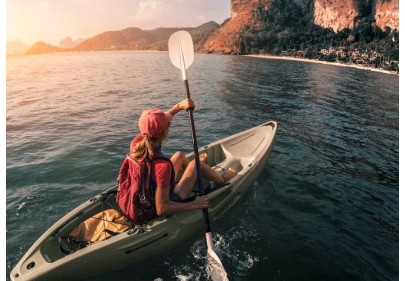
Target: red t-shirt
{"points": [[163, 169]]}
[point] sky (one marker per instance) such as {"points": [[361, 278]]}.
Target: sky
{"points": [[51, 21]]}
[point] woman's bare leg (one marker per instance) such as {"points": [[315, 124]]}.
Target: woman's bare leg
{"points": [[179, 162], [211, 175], [187, 181]]}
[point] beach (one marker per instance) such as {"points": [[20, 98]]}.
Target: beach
{"points": [[322, 62]]}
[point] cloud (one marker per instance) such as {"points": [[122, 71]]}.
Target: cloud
{"points": [[151, 13]]}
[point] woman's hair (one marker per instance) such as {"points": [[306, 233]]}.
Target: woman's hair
{"points": [[144, 149]]}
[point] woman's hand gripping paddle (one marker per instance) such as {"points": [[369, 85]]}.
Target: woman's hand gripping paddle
{"points": [[181, 50]]}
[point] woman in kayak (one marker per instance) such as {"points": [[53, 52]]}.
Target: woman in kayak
{"points": [[154, 127]]}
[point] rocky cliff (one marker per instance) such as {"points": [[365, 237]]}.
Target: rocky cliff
{"points": [[338, 14], [227, 38], [387, 14], [335, 14]]}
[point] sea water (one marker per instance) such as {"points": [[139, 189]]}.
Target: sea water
{"points": [[326, 206]]}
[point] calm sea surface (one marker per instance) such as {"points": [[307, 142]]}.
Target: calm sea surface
{"points": [[326, 206]]}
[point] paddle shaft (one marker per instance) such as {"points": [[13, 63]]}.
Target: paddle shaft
{"points": [[197, 160]]}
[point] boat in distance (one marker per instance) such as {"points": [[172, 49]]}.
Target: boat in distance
{"points": [[247, 152]]}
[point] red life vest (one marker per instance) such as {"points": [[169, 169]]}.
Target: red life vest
{"points": [[136, 189]]}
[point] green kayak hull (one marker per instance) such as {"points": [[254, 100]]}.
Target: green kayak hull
{"points": [[247, 152]]}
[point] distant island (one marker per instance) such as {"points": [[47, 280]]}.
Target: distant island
{"points": [[131, 38], [362, 32]]}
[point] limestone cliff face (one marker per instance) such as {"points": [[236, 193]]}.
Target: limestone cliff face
{"points": [[226, 38], [387, 14], [335, 14], [339, 14]]}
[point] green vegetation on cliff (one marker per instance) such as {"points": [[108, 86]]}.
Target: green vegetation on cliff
{"points": [[288, 29]]}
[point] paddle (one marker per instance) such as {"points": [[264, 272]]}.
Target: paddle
{"points": [[181, 52]]}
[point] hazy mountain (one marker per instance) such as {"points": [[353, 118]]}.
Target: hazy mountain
{"points": [[134, 38], [16, 47], [131, 38], [68, 43], [41, 48]]}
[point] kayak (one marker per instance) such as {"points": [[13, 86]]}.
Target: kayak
{"points": [[247, 152]]}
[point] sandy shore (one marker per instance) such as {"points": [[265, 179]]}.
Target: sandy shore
{"points": [[322, 62]]}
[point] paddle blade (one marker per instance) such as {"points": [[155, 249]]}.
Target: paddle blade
{"points": [[181, 50], [215, 268], [210, 246], [214, 256]]}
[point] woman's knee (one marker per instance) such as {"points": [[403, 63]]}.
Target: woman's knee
{"points": [[192, 166], [178, 158], [177, 155]]}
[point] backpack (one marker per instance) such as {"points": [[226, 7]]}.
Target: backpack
{"points": [[136, 189]]}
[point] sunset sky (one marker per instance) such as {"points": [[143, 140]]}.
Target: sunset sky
{"points": [[51, 21]]}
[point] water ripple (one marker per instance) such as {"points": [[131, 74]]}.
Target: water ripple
{"points": [[326, 206]]}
